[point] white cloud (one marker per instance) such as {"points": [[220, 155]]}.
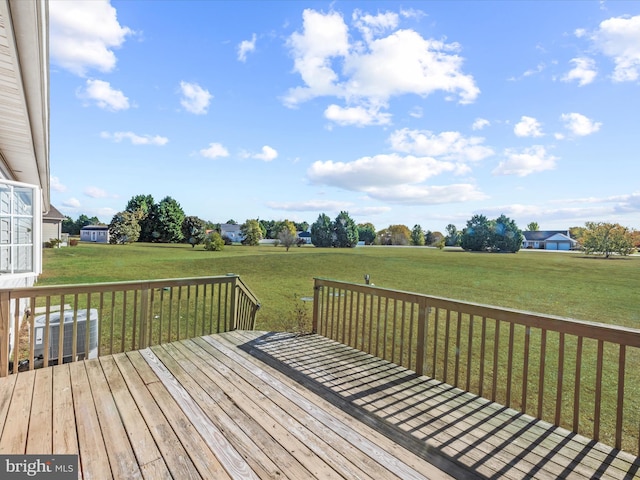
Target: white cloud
{"points": [[619, 39], [525, 162], [448, 145], [195, 99], [584, 71], [528, 127], [83, 35], [103, 95], [373, 69], [378, 171], [428, 195], [55, 185], [72, 202], [267, 154], [374, 25], [579, 124], [135, 139], [416, 112], [358, 116], [245, 47], [215, 150], [480, 123], [95, 192], [310, 206]]}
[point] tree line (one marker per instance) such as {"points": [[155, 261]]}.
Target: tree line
{"points": [[144, 220]]}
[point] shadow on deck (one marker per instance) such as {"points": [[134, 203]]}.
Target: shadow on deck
{"points": [[460, 433]]}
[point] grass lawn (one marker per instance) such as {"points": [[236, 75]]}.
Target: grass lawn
{"points": [[566, 284]]}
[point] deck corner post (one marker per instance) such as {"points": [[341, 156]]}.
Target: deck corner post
{"points": [[5, 319], [233, 303], [423, 314], [316, 306]]}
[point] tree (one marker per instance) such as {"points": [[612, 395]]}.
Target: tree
{"points": [[499, 235], [428, 237], [143, 206], [394, 235], [194, 230], [417, 236], [506, 236], [345, 231], [213, 242], [322, 231], [477, 234], [168, 217], [607, 238], [366, 233], [577, 233], [280, 225], [533, 227], [124, 228], [69, 226], [231, 222], [436, 238], [287, 238], [251, 232], [453, 236], [302, 226]]}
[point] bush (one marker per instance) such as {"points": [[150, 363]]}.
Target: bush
{"points": [[52, 243], [214, 242]]}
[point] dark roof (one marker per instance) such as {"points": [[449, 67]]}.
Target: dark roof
{"points": [[53, 214], [541, 235], [95, 227]]}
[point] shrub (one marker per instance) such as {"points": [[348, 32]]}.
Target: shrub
{"points": [[214, 242]]}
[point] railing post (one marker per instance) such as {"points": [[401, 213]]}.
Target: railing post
{"points": [[5, 319], [316, 306], [234, 300], [144, 315], [423, 315]]}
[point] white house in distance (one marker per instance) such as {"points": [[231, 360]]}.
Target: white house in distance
{"points": [[231, 231], [24, 138], [548, 240], [95, 233]]}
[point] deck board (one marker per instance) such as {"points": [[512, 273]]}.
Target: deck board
{"points": [[167, 442], [271, 405], [489, 439]]}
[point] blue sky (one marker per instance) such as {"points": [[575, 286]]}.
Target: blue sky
{"points": [[397, 112]]}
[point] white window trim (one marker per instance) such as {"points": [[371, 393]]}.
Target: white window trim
{"points": [[36, 251]]}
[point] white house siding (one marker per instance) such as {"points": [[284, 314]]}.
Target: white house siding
{"points": [[50, 231]]}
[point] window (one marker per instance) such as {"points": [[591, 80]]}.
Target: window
{"points": [[19, 228]]}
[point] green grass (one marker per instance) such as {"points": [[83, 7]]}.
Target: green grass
{"points": [[565, 284]]}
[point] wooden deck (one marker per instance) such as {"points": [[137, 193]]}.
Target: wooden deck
{"points": [[272, 405]]}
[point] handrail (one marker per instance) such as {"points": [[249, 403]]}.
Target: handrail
{"points": [[571, 373], [105, 318]]}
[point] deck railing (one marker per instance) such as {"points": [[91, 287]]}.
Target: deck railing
{"points": [[583, 376], [106, 318]]}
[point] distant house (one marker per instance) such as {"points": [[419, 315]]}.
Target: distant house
{"points": [[231, 231], [52, 224], [306, 236], [95, 233], [548, 240]]}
